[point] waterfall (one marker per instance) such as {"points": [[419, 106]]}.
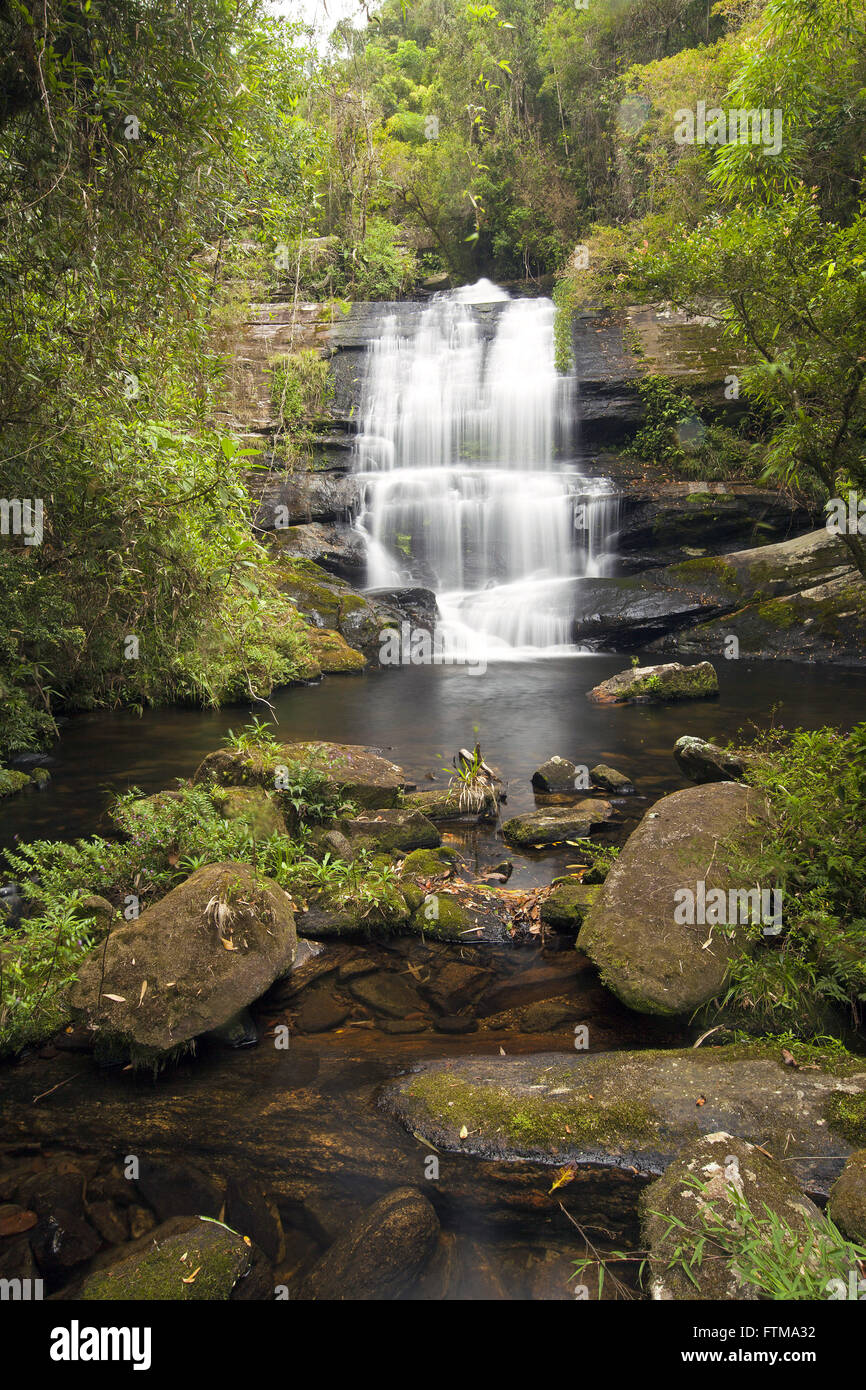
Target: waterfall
{"points": [[466, 454]]}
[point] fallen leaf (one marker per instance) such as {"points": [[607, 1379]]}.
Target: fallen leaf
{"points": [[229, 945], [143, 992], [563, 1178], [701, 1100], [118, 998], [464, 1132], [788, 1058], [190, 1278], [16, 1222]]}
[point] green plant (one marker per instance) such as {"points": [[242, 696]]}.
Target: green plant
{"points": [[38, 960]]}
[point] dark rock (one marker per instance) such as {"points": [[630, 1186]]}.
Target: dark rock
{"points": [[319, 1011], [385, 993], [337, 845], [556, 775], [250, 1213], [355, 773], [180, 1189], [336, 548], [161, 1265], [391, 830], [455, 986], [455, 1023], [286, 499], [381, 1256], [706, 762], [567, 906], [548, 1015], [609, 780], [239, 1031]]}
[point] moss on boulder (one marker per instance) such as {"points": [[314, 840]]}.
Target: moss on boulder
{"points": [[654, 961], [642, 685], [354, 773], [185, 1260], [558, 823], [567, 906], [332, 653], [847, 1203]]}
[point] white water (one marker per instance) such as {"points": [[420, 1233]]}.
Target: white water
{"points": [[466, 428]]}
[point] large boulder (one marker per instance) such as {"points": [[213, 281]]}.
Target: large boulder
{"points": [[353, 772], [654, 962], [704, 1185], [633, 1110], [847, 1205], [707, 762], [650, 685], [555, 775], [380, 1256], [536, 829], [187, 965]]}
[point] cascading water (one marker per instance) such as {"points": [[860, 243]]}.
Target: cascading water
{"points": [[464, 450]]}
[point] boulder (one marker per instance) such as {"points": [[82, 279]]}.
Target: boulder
{"points": [[706, 1178], [556, 775], [707, 762], [430, 863], [381, 1255], [391, 830], [334, 547], [653, 962], [847, 1204], [649, 685], [632, 1110], [210, 947], [183, 1260], [285, 499], [354, 773], [558, 823]]}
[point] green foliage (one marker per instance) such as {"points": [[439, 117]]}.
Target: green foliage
{"points": [[301, 387], [760, 1248], [37, 962], [667, 410], [815, 853]]}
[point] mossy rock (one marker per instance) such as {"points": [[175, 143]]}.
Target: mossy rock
{"points": [[332, 652], [429, 863], [643, 685], [847, 1203], [253, 808], [723, 1165], [443, 916], [631, 1109], [651, 960], [353, 772], [333, 916], [188, 964], [185, 1260], [12, 781], [566, 907], [391, 830]]}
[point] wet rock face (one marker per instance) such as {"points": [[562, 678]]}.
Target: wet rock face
{"points": [[629, 1109], [648, 685], [289, 499], [391, 830], [652, 959], [380, 1256], [706, 762], [210, 947], [847, 1205], [726, 1168], [556, 775]]}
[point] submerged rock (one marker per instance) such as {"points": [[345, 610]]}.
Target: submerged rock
{"points": [[706, 762], [380, 1256], [654, 961], [726, 1167], [558, 823], [567, 906], [210, 947], [647, 685], [630, 1109]]}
